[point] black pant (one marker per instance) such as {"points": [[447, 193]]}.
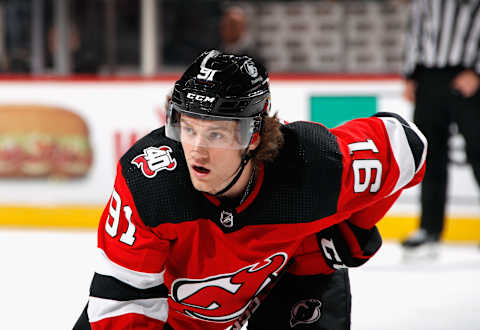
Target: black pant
{"points": [[320, 302], [437, 105]]}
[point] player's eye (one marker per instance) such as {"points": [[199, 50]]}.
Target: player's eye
{"points": [[187, 130], [216, 136]]}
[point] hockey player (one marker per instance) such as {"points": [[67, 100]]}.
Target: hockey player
{"points": [[209, 211]]}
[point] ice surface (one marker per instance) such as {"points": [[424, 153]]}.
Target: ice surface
{"points": [[45, 276]]}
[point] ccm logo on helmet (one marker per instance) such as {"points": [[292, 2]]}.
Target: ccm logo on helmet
{"points": [[201, 98]]}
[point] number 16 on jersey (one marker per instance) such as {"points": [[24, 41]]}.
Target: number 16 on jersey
{"points": [[367, 166]]}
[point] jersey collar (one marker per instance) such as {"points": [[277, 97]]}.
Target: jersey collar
{"points": [[251, 197]]}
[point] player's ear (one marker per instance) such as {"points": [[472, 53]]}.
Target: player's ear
{"points": [[255, 141]]}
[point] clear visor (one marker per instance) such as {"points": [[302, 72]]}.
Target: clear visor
{"points": [[208, 131]]}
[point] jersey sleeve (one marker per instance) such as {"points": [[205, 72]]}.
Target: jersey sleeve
{"points": [[350, 243], [382, 155], [127, 290]]}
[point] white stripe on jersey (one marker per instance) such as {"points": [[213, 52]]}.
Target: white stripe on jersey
{"points": [[472, 48], [99, 309], [401, 151], [422, 137], [139, 280], [458, 40], [446, 31]]}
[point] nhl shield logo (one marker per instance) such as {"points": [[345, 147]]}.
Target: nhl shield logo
{"points": [[226, 219], [305, 312], [251, 69]]}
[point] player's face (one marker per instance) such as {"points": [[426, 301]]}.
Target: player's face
{"points": [[212, 152]]}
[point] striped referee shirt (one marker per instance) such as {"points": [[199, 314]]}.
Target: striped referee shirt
{"points": [[443, 33]]}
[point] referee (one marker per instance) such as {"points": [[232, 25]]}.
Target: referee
{"points": [[442, 79]]}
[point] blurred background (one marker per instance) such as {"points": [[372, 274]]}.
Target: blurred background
{"points": [[82, 80], [121, 37]]}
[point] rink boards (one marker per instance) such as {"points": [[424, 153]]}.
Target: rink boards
{"points": [[392, 227], [119, 111]]}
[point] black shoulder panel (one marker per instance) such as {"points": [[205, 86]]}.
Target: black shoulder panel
{"points": [[303, 184], [161, 193]]}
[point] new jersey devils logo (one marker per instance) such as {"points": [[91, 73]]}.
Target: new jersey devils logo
{"points": [[305, 311], [224, 297], [154, 160]]}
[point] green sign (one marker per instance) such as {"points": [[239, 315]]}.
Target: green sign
{"points": [[332, 111]]}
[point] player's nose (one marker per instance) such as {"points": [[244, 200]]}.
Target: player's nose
{"points": [[198, 142], [199, 153]]}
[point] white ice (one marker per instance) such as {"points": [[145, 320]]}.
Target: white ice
{"points": [[45, 276]]}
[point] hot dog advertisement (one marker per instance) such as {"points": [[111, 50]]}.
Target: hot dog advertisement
{"points": [[43, 141]]}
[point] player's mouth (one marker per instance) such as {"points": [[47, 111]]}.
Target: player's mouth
{"points": [[200, 170]]}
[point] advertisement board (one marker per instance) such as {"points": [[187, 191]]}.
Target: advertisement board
{"points": [[113, 114]]}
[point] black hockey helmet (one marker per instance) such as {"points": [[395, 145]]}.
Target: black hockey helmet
{"points": [[219, 86]]}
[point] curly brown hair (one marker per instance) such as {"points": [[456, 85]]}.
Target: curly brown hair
{"points": [[271, 140]]}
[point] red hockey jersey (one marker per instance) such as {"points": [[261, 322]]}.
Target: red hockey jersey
{"points": [[172, 257]]}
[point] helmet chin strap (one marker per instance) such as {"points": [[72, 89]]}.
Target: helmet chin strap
{"points": [[244, 161], [245, 158]]}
